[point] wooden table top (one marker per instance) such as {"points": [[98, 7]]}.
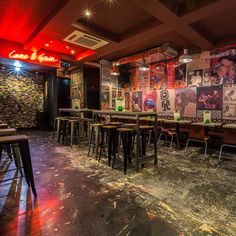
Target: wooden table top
{"points": [[134, 118], [125, 113], [177, 122], [229, 126], [75, 110], [207, 125], [7, 131], [3, 125]]}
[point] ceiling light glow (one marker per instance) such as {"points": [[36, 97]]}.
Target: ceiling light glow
{"points": [[87, 13]]}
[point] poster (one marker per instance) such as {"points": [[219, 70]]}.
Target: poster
{"points": [[136, 101], [194, 77], [105, 98], [170, 75], [229, 102], [158, 74], [209, 98], [149, 101], [185, 101], [144, 80], [127, 101], [223, 65], [165, 101], [206, 79], [120, 104], [180, 76], [114, 93]]}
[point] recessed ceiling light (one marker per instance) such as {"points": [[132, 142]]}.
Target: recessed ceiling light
{"points": [[87, 13], [46, 44], [72, 51]]}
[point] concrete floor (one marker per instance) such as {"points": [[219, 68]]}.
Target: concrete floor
{"points": [[77, 195]]}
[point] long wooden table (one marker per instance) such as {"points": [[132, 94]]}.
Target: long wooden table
{"points": [[137, 115]]}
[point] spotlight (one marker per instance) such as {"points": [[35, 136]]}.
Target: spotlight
{"points": [[46, 44], [17, 66], [87, 13]]}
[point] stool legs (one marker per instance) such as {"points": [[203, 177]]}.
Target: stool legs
{"points": [[27, 166]]}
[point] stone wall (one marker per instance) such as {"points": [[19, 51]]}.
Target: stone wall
{"points": [[21, 98]]}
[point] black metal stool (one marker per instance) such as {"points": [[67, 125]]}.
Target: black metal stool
{"points": [[112, 141], [95, 135], [126, 137], [144, 129]]}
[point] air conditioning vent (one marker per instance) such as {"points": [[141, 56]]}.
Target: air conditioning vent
{"points": [[85, 40]]}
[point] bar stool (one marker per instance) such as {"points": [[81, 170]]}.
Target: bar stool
{"points": [[62, 125], [115, 123], [73, 130], [126, 137], [22, 141], [143, 133], [95, 135], [111, 132]]}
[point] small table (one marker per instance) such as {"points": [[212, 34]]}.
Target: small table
{"points": [[207, 126], [177, 124]]}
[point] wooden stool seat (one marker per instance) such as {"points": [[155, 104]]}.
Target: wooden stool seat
{"points": [[13, 138], [124, 130], [128, 125], [115, 123], [97, 125], [146, 127], [109, 127]]}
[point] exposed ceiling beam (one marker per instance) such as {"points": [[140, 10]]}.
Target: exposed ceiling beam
{"points": [[164, 14], [208, 11]]}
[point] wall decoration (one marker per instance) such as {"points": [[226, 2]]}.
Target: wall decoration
{"points": [[158, 76], [149, 101], [21, 99], [127, 101], [229, 102], [77, 91], [119, 93], [144, 80], [136, 101], [114, 93], [223, 65], [194, 77], [165, 101], [206, 79], [120, 104], [170, 75], [209, 98], [180, 76], [185, 101], [105, 99]]}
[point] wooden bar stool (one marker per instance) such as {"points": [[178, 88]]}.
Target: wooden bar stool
{"points": [[111, 132], [95, 136], [126, 137], [22, 141]]}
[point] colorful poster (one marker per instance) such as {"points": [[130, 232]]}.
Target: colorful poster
{"points": [[180, 76], [223, 65], [170, 76], [194, 77], [165, 101], [149, 101], [127, 101], [136, 102], [143, 80], [105, 98], [229, 102], [158, 76], [209, 98], [185, 101]]}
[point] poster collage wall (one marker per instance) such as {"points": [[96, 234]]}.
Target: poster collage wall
{"points": [[77, 90], [207, 83], [109, 86]]}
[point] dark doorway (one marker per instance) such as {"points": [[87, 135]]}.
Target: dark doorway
{"points": [[92, 87], [63, 92]]}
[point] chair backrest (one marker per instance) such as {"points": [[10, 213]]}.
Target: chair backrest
{"points": [[197, 132]]}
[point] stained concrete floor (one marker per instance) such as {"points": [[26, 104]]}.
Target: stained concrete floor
{"points": [[193, 195]]}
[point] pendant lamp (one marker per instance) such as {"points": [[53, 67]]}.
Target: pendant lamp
{"points": [[185, 58]]}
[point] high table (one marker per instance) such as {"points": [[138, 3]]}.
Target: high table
{"points": [[7, 131], [177, 124], [137, 116], [73, 110]]}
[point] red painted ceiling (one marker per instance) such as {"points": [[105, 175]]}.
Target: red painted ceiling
{"points": [[19, 18]]}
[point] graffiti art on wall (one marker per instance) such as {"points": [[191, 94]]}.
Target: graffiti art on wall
{"points": [[165, 101], [185, 101]]}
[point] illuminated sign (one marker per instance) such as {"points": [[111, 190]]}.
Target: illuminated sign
{"points": [[40, 57]]}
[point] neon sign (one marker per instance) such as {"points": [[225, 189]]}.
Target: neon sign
{"points": [[27, 56]]}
